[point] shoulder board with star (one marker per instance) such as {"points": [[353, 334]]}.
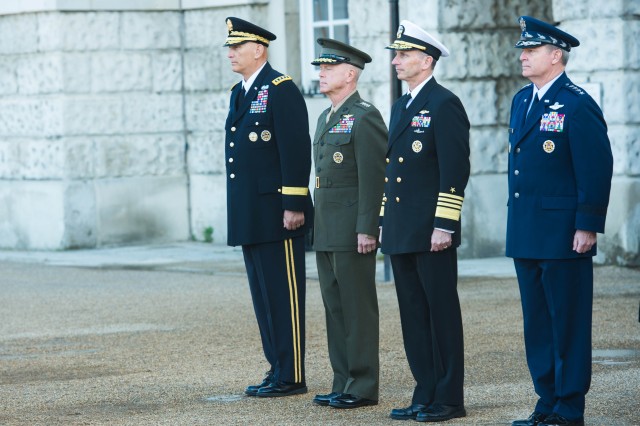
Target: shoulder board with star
{"points": [[365, 106], [576, 90], [281, 79], [233, 87]]}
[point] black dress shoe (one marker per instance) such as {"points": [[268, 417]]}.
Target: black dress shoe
{"points": [[558, 420], [408, 413], [274, 389], [441, 413], [324, 399], [253, 389], [346, 400], [534, 420]]}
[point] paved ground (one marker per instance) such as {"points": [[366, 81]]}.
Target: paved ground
{"points": [[165, 335]]}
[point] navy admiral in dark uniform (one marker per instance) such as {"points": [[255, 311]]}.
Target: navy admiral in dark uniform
{"points": [[268, 163], [427, 172], [560, 168], [348, 148]]}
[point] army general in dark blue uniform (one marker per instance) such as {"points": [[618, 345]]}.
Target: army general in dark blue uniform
{"points": [[560, 168], [426, 175], [268, 163]]}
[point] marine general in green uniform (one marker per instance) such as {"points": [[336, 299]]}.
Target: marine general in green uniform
{"points": [[349, 152]]}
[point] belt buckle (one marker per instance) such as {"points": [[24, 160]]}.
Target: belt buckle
{"points": [[317, 182]]}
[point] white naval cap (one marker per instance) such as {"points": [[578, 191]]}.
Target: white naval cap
{"points": [[410, 37]]}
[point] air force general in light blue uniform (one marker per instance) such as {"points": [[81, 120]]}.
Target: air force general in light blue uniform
{"points": [[560, 169]]}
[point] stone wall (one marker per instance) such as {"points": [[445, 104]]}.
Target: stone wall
{"points": [[111, 121], [92, 129], [610, 69], [483, 70]]}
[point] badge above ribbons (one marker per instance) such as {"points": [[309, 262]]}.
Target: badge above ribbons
{"points": [[344, 125]]}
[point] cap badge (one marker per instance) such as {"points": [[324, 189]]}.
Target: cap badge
{"points": [[253, 136], [400, 31], [265, 135], [548, 146], [338, 157], [229, 25], [523, 25], [416, 146]]}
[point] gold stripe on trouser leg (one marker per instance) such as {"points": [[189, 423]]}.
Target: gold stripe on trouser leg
{"points": [[293, 300]]}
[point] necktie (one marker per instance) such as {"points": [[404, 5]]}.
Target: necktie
{"points": [[329, 114], [240, 98], [407, 101], [534, 102]]}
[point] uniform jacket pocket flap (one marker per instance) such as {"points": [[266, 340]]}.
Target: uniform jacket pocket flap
{"points": [[337, 140], [559, 203]]}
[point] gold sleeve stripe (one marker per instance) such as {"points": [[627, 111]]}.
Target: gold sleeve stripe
{"points": [[447, 213], [450, 196], [293, 190], [452, 202], [450, 205]]}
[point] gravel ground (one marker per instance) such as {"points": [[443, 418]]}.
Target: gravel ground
{"points": [[177, 346]]}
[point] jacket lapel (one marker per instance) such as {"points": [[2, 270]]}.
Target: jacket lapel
{"points": [[536, 112], [252, 93], [335, 118], [404, 116]]}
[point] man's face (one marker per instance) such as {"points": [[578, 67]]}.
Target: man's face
{"points": [[409, 64], [242, 56], [537, 61], [333, 77]]}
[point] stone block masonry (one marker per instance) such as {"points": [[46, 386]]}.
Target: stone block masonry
{"points": [[112, 113]]}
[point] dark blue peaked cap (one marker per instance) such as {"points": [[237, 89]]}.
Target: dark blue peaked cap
{"points": [[241, 31], [536, 33]]}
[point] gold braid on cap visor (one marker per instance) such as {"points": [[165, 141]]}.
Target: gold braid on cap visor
{"points": [[405, 45], [238, 36]]}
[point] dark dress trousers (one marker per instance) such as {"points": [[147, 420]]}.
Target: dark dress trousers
{"points": [[560, 168], [349, 157], [268, 162], [427, 172]]}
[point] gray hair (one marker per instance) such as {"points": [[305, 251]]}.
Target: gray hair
{"points": [[565, 53]]}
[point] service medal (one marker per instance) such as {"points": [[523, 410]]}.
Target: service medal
{"points": [[548, 146], [338, 157], [416, 146], [253, 136], [265, 135]]}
